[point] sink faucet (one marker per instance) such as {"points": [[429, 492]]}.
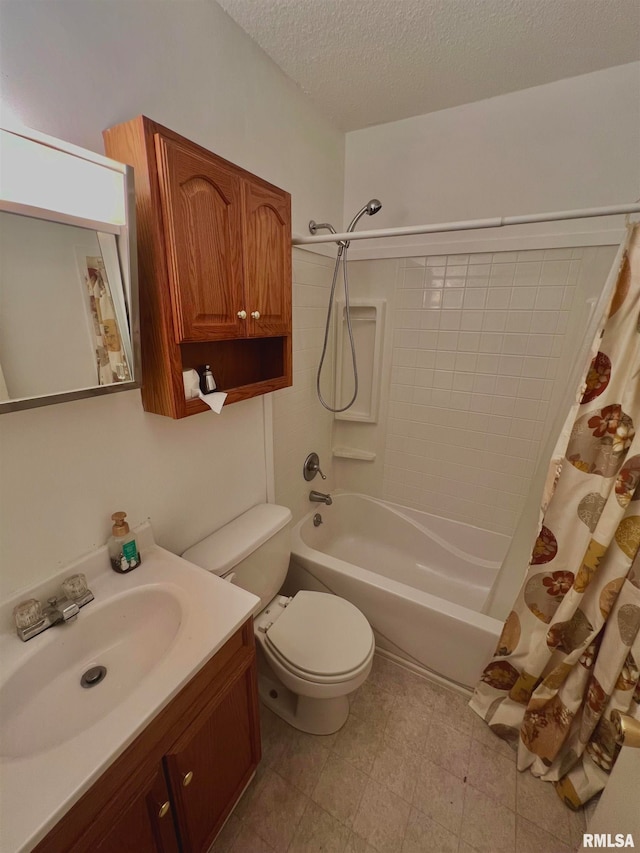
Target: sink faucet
{"points": [[320, 498], [32, 618]]}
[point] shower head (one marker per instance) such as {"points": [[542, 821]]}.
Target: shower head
{"points": [[370, 208]]}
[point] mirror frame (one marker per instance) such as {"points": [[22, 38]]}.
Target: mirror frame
{"points": [[125, 235]]}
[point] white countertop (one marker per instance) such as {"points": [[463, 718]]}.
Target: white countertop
{"points": [[37, 789]]}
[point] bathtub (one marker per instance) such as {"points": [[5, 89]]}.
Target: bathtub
{"points": [[420, 580]]}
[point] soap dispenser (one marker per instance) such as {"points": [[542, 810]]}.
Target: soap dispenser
{"points": [[123, 549]]}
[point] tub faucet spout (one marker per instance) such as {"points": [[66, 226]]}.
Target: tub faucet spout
{"points": [[320, 498]]}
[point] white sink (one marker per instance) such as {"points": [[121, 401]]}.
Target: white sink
{"points": [[43, 703], [152, 628]]}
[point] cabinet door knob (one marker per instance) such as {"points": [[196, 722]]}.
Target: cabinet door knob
{"points": [[186, 778], [255, 315], [164, 808], [242, 315]]}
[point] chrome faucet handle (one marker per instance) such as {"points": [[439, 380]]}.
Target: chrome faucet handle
{"points": [[312, 467], [68, 609]]}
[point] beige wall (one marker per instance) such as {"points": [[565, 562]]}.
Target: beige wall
{"points": [[71, 69]]}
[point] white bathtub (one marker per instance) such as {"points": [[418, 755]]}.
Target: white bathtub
{"points": [[420, 580]]}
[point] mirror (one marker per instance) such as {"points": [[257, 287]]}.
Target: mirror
{"points": [[68, 312], [63, 323]]}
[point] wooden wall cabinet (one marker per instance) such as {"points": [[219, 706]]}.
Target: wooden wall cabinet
{"points": [[214, 246], [174, 787]]}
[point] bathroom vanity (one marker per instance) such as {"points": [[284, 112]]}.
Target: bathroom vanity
{"points": [[173, 788], [154, 756]]}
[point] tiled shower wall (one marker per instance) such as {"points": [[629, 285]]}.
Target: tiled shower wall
{"points": [[478, 352], [300, 424]]}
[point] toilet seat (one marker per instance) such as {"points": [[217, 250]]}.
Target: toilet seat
{"points": [[320, 637]]}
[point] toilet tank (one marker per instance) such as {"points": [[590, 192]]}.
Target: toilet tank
{"points": [[252, 551]]}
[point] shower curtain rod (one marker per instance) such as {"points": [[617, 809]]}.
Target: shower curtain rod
{"points": [[471, 224]]}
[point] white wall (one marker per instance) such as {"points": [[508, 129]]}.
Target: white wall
{"points": [[71, 69], [570, 144]]}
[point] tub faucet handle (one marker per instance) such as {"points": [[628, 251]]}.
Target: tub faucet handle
{"points": [[312, 467]]}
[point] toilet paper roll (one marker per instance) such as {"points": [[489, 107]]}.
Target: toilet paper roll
{"points": [[191, 382]]}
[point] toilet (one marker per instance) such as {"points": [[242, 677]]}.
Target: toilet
{"points": [[314, 649]]}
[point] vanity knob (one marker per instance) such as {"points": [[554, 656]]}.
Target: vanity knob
{"points": [[255, 315], [164, 808], [186, 778], [242, 315]]}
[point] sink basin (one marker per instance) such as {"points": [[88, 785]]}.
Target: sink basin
{"points": [[43, 704]]}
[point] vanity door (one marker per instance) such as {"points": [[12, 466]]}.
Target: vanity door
{"points": [[145, 825], [213, 761]]}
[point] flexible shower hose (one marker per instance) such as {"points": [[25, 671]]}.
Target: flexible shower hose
{"points": [[342, 256]]}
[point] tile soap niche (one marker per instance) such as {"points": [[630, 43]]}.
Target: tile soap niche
{"points": [[367, 322]]}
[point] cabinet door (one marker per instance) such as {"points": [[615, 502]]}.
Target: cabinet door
{"points": [[267, 253], [209, 767], [145, 825], [202, 216], [128, 822]]}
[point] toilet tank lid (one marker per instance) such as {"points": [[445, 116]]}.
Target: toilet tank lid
{"points": [[221, 551]]}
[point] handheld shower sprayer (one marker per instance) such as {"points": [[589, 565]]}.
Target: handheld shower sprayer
{"points": [[370, 208]]}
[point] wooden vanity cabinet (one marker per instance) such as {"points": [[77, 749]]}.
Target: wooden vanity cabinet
{"points": [[174, 786], [214, 246]]}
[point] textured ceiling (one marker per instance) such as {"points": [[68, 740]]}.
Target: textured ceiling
{"points": [[366, 62]]}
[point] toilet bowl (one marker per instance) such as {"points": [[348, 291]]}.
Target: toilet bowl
{"points": [[314, 649]]}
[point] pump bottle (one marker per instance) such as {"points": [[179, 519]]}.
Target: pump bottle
{"points": [[123, 549]]}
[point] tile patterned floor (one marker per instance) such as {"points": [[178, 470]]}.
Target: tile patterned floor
{"points": [[412, 771]]}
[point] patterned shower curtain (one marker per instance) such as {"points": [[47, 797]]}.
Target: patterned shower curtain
{"points": [[569, 651]]}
